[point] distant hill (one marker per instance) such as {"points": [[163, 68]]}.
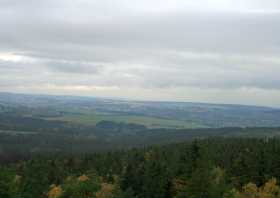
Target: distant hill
{"points": [[89, 111], [41, 123]]}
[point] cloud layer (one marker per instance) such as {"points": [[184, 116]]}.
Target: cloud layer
{"points": [[211, 51]]}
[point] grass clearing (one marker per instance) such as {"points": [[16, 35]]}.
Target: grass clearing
{"points": [[150, 122]]}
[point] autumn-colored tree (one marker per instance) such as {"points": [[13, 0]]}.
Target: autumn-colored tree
{"points": [[269, 190], [106, 191], [250, 190], [178, 187], [83, 178], [55, 192]]}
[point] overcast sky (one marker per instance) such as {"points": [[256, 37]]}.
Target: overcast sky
{"points": [[220, 51]]}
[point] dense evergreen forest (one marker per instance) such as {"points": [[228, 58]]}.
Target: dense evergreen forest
{"points": [[213, 167]]}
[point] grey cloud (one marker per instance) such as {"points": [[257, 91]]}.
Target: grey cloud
{"points": [[73, 67], [232, 33], [116, 43]]}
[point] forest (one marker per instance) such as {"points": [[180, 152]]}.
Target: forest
{"points": [[210, 167], [76, 147]]}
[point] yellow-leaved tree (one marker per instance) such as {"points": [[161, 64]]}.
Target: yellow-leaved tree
{"points": [[269, 190], [55, 192], [106, 191]]}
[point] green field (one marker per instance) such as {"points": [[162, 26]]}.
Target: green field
{"points": [[150, 122]]}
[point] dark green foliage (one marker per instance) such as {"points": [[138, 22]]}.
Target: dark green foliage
{"points": [[202, 168], [82, 189], [8, 184], [35, 179]]}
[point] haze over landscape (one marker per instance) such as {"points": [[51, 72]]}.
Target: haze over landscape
{"points": [[201, 51], [139, 99]]}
